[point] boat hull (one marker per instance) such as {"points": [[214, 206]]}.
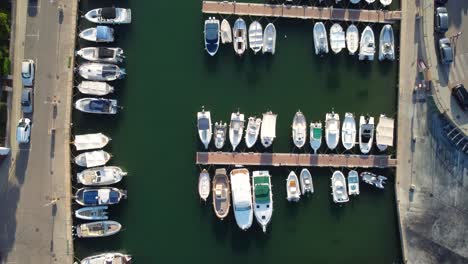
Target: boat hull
{"points": [[293, 191], [100, 176], [204, 127], [239, 33], [339, 192], [262, 198], [99, 196], [221, 194], [93, 213], [98, 229], [204, 185], [242, 198], [269, 39], [307, 185], [105, 258]]}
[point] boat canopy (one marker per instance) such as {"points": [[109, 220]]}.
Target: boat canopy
{"points": [[317, 132], [262, 189], [103, 33], [104, 196], [108, 12], [385, 131], [269, 125], [353, 179], [100, 105], [105, 53], [203, 123]]}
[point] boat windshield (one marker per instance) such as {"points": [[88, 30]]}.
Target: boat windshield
{"points": [[203, 123]]}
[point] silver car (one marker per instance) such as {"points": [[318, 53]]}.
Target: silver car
{"points": [[27, 72], [27, 100]]}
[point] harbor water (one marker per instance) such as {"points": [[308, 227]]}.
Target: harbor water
{"points": [[154, 137]]}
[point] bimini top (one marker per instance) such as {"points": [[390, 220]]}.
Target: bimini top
{"points": [[100, 105], [203, 123], [103, 33], [108, 13], [105, 53], [262, 189], [384, 131], [317, 132]]}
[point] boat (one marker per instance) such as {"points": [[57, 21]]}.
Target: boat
{"points": [[348, 131], [293, 190], [352, 38], [109, 15], [339, 193], [320, 39], [101, 72], [220, 131], [269, 39], [332, 130], [97, 106], [211, 33], [204, 184], [240, 36], [385, 2], [262, 198], [374, 180], [92, 213], [353, 182], [355, 2], [221, 194], [315, 136], [367, 44], [337, 38], [99, 34], [370, 1], [99, 176], [307, 185], [299, 129], [204, 127], [102, 54], [387, 43], [252, 131], [99, 196], [242, 198], [236, 129], [268, 130], [384, 132], [256, 36], [366, 133], [95, 88], [98, 229], [90, 141], [108, 258], [226, 32], [92, 158]]}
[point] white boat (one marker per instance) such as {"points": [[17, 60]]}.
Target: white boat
{"points": [[370, 1], [236, 129], [100, 34], [212, 34], [256, 36], [108, 258], [220, 131], [242, 198], [90, 141], [262, 197], [226, 32], [269, 39], [204, 127], [332, 130], [99, 196], [102, 54], [100, 176], [337, 38], [320, 39], [307, 185], [385, 2], [339, 193], [387, 43], [352, 39], [353, 182], [384, 132], [221, 194], [95, 88], [348, 131], [240, 36], [98, 229], [268, 130], [252, 131], [315, 136], [299, 129], [97, 106], [374, 180], [366, 133], [293, 191], [92, 158], [101, 72], [109, 15], [367, 44], [204, 185], [92, 213]]}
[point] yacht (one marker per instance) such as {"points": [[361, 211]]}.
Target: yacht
{"points": [[353, 182], [348, 131], [315, 136], [90, 141], [92, 158], [93, 213], [385, 2], [108, 258], [99, 176], [352, 39], [101, 72], [252, 131], [268, 130], [236, 129], [332, 130], [320, 39], [204, 127], [102, 54], [256, 36], [204, 184], [269, 39], [221, 194], [337, 38], [299, 129], [240, 36], [95, 88], [98, 229], [384, 132], [99, 196], [293, 190], [212, 34], [372, 179], [339, 193], [97, 106], [387, 43], [226, 32], [109, 15], [307, 185], [220, 131], [99, 34], [262, 197], [242, 198], [366, 133], [367, 44]]}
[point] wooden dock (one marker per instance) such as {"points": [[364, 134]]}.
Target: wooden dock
{"points": [[302, 12], [295, 160]]}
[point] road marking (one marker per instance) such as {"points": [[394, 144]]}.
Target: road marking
{"points": [[32, 35]]}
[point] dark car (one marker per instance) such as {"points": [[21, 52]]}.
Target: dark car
{"points": [[441, 20], [460, 93], [27, 100], [441, 2], [446, 51]]}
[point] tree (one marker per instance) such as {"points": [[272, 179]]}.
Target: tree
{"points": [[4, 26]]}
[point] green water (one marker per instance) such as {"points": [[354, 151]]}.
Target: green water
{"points": [[154, 137]]}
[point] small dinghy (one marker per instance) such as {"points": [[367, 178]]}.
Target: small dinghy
{"points": [[98, 229], [353, 182], [109, 15], [221, 194], [101, 54], [90, 141], [226, 32], [268, 130], [252, 131], [95, 88], [348, 131], [211, 35], [337, 38], [93, 213], [100, 176], [220, 131], [366, 133], [262, 198], [367, 44], [352, 39], [387, 44], [256, 36], [339, 193], [292, 188], [332, 130], [101, 72], [204, 185], [299, 129], [99, 196], [99, 34], [320, 39], [204, 127], [269, 39], [307, 185], [384, 132], [108, 258], [97, 106], [242, 198], [92, 158], [240, 36], [385, 2], [236, 128], [374, 180], [315, 136]]}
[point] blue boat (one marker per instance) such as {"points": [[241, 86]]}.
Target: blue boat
{"points": [[212, 35], [98, 34], [99, 196]]}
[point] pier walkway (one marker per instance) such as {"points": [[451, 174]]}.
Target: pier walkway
{"points": [[302, 12]]}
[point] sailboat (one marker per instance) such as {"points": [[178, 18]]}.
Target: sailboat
{"points": [[262, 197], [236, 128], [211, 33], [242, 198], [98, 229], [366, 133], [268, 130], [384, 132], [99, 176], [315, 136], [372, 179], [352, 39], [269, 39], [90, 141], [95, 88], [252, 131], [348, 132], [387, 44], [92, 158], [320, 39], [220, 131], [367, 44], [293, 190], [339, 193], [256, 36], [307, 185], [108, 258], [92, 213], [204, 127], [299, 129], [240, 36], [337, 38], [226, 32], [221, 194], [204, 184], [109, 15], [353, 182], [385, 2], [332, 130]]}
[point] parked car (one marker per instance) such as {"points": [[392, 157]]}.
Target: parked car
{"points": [[441, 20], [27, 100], [460, 93], [441, 2], [27, 72], [446, 51], [23, 130]]}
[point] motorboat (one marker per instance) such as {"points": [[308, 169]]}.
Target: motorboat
{"points": [[204, 127], [337, 38], [256, 36], [102, 54], [385, 2], [367, 44], [109, 15], [93, 213], [97, 106], [355, 2], [268, 130], [352, 38], [204, 185], [315, 136], [387, 43], [221, 194], [95, 88], [90, 141], [373, 179], [370, 1], [99, 196], [101, 72], [332, 130], [262, 198], [353, 182], [212, 34], [299, 129], [99, 176], [220, 131], [98, 229], [236, 129], [252, 131], [348, 131], [366, 133], [226, 32], [240, 36], [99, 34], [307, 185], [293, 190], [92, 158], [320, 39], [384, 132], [269, 39], [242, 198], [108, 258], [339, 193]]}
